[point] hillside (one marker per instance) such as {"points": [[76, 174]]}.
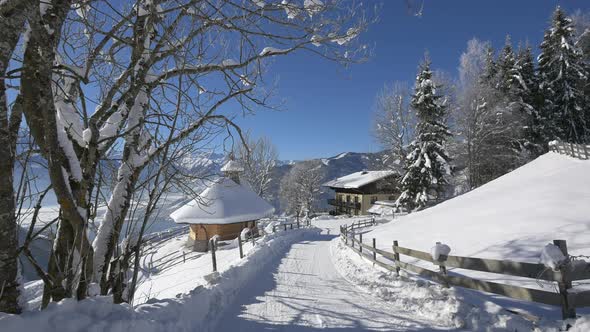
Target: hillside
{"points": [[512, 217]]}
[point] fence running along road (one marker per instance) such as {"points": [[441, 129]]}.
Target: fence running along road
{"points": [[567, 298]]}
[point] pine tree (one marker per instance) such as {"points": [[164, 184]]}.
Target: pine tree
{"points": [[505, 67], [562, 76], [427, 164], [490, 69], [524, 97]]}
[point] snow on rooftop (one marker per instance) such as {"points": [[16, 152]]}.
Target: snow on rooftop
{"points": [[225, 202], [358, 179], [232, 166]]}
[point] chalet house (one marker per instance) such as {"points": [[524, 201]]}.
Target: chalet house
{"points": [[356, 193], [224, 209]]}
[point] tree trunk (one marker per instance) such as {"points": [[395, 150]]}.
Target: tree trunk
{"points": [[11, 25]]}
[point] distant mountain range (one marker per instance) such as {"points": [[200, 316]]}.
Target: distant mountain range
{"points": [[333, 167]]}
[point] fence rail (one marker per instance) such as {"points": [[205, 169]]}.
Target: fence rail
{"points": [[580, 151], [563, 278]]}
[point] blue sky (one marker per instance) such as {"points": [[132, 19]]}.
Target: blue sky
{"points": [[329, 109]]}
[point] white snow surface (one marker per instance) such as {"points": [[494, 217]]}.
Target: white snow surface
{"points": [[306, 290], [438, 250], [383, 208], [512, 217], [196, 306], [358, 179], [552, 257], [224, 202]]}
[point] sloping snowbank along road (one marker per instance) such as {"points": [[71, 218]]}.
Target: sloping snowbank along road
{"points": [[303, 291], [198, 310], [512, 217]]}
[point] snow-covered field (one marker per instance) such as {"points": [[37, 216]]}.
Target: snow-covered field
{"points": [[510, 218]]}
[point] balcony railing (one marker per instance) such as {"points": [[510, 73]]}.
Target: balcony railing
{"points": [[344, 205]]}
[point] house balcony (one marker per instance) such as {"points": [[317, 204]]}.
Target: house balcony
{"points": [[344, 205]]}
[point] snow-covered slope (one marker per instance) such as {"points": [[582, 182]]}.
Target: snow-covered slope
{"points": [[512, 217]]}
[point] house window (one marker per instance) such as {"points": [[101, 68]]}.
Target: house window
{"points": [[373, 199]]}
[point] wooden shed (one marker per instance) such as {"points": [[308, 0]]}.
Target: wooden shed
{"points": [[225, 209]]}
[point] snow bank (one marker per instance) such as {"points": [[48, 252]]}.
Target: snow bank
{"points": [[198, 310], [512, 217], [423, 298]]}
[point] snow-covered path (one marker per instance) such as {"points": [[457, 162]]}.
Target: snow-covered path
{"points": [[303, 291]]}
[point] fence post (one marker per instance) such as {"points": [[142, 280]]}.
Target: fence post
{"points": [[345, 235], [374, 247], [240, 245], [572, 148], [285, 226], [567, 310], [585, 150], [373, 220], [213, 258], [396, 257], [183, 257], [291, 226], [443, 269], [298, 223], [252, 237], [361, 242]]}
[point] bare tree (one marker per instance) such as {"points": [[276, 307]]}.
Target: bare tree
{"points": [[12, 25], [136, 61], [485, 122], [301, 187], [258, 157], [394, 122]]}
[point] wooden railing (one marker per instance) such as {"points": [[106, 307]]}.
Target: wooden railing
{"points": [[286, 226], [580, 151], [563, 278]]}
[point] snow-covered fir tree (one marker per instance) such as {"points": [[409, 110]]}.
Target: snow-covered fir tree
{"points": [[505, 68], [524, 97], [427, 163], [562, 75]]}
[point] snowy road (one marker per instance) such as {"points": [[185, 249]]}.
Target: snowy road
{"points": [[303, 291]]}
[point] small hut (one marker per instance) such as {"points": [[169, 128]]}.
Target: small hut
{"points": [[223, 209]]}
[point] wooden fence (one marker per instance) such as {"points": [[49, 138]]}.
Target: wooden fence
{"points": [[286, 226], [566, 298], [579, 151], [249, 237]]}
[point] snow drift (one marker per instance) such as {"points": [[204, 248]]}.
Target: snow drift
{"points": [[512, 217]]}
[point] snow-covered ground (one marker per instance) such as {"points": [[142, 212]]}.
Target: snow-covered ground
{"points": [[510, 218], [180, 306], [307, 280]]}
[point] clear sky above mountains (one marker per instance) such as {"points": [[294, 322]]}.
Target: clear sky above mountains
{"points": [[329, 109]]}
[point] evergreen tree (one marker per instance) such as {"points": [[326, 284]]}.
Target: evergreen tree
{"points": [[427, 164], [505, 68], [490, 70], [562, 76], [524, 97]]}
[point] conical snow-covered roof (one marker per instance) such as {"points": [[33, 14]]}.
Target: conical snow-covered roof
{"points": [[225, 202]]}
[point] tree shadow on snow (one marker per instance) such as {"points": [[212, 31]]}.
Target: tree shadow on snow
{"points": [[285, 312]]}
